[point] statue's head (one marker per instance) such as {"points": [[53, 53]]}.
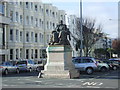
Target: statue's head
{"points": [[61, 21]]}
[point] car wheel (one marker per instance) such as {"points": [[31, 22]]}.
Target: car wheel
{"points": [[89, 70], [37, 69], [114, 67], [103, 69], [17, 71], [30, 70], [6, 72]]}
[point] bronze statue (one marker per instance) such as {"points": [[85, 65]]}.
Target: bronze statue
{"points": [[54, 39], [59, 36], [63, 36]]}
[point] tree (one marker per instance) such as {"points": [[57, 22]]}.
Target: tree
{"points": [[91, 35]]}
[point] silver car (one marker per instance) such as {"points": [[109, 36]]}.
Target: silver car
{"points": [[87, 64], [8, 67], [28, 65], [103, 67]]}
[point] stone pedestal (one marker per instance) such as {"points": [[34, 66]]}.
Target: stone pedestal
{"points": [[59, 63]]}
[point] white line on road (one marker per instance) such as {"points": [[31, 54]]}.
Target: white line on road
{"points": [[38, 81]]}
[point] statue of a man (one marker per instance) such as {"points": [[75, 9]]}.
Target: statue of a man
{"points": [[63, 40], [60, 34], [54, 39], [60, 26]]}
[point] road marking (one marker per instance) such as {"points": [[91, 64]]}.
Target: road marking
{"points": [[100, 84], [92, 83], [92, 87], [89, 83], [38, 81]]}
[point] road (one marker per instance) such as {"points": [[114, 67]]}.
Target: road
{"points": [[29, 80]]}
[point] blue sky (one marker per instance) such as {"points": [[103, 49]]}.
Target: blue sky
{"points": [[102, 11]]}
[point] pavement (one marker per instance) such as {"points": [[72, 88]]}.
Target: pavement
{"points": [[29, 80]]}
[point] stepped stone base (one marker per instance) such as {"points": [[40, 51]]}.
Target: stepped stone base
{"points": [[59, 63]]}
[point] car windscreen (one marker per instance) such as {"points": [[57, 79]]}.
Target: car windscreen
{"points": [[21, 62]]}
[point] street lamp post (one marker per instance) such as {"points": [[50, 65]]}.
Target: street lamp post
{"points": [[81, 30]]}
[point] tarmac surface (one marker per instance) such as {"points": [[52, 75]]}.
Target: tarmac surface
{"points": [[108, 79]]}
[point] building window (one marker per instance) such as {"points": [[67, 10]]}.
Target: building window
{"points": [[21, 34], [16, 16], [53, 14], [47, 25], [2, 9], [50, 12], [40, 37], [21, 53], [40, 8], [17, 54], [32, 37], [36, 22], [27, 53], [11, 54], [61, 17], [53, 25], [27, 37], [1, 36], [26, 4], [36, 37], [36, 8], [32, 54], [27, 19], [11, 34], [20, 3], [31, 5], [32, 20], [36, 52], [47, 11], [21, 19], [11, 15], [47, 38], [17, 35], [40, 22]]}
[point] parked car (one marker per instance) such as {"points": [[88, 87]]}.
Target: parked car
{"points": [[87, 64], [110, 64], [102, 66], [28, 65], [115, 63], [8, 67]]}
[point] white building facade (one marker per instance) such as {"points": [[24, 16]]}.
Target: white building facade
{"points": [[30, 29], [4, 25]]}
